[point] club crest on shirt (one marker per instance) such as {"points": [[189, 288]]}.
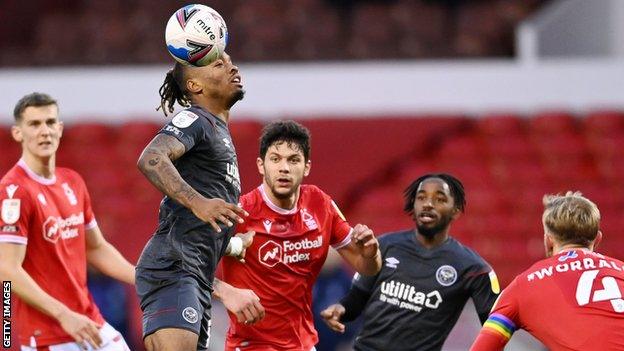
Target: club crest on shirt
{"points": [[446, 275], [308, 219], [184, 119], [190, 315], [10, 210]]}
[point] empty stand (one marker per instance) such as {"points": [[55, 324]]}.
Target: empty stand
{"points": [[507, 163]]}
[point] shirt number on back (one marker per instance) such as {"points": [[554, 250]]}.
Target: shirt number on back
{"points": [[610, 292]]}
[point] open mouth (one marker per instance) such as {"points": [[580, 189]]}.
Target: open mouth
{"points": [[237, 80], [283, 182], [427, 217]]}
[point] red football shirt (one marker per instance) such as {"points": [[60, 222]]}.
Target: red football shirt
{"points": [[571, 301], [281, 267], [49, 216]]}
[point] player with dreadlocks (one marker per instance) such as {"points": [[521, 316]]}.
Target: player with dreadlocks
{"points": [[192, 160], [426, 279]]}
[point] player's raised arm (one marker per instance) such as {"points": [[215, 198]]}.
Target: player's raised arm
{"points": [[156, 163]]}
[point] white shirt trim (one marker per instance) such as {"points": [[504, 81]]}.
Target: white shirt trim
{"points": [[344, 241], [274, 207], [91, 224], [34, 176], [15, 239]]}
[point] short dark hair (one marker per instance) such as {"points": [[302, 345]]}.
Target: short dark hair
{"points": [[32, 99], [289, 132], [455, 185]]}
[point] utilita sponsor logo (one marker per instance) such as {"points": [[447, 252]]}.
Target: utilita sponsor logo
{"points": [[407, 297], [6, 314], [65, 228]]}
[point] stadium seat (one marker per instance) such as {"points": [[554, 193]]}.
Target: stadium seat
{"points": [[498, 125], [602, 123], [552, 123]]}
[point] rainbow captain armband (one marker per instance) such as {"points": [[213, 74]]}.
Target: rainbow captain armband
{"points": [[501, 325]]}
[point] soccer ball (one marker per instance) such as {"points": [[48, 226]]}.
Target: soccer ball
{"points": [[196, 35]]}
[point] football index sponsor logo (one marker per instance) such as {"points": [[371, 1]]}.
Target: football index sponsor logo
{"points": [[65, 228], [6, 314], [271, 252]]}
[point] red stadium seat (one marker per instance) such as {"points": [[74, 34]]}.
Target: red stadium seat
{"points": [[552, 123], [498, 125], [601, 123]]}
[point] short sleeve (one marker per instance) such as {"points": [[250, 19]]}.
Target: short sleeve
{"points": [[484, 289], [341, 230], [187, 127], [16, 206], [89, 216]]}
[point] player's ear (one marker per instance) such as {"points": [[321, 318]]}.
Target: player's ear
{"points": [[16, 133], [193, 86], [597, 240], [61, 126], [548, 244], [456, 213], [260, 165], [306, 170]]}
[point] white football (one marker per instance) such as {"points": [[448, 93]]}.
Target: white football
{"points": [[196, 35]]}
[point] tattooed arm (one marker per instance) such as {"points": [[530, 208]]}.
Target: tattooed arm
{"points": [[156, 163]]}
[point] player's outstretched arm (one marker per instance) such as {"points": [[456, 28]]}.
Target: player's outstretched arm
{"points": [[349, 307], [243, 303], [105, 257], [81, 328], [156, 163], [362, 253]]}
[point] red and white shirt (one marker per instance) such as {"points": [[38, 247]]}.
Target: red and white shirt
{"points": [[571, 301], [282, 263], [50, 216]]}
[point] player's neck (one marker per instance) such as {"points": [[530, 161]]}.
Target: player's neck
{"points": [[284, 203], [216, 109], [43, 167], [563, 248], [432, 242]]}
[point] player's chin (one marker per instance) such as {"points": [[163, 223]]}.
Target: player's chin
{"points": [[282, 192], [236, 96]]}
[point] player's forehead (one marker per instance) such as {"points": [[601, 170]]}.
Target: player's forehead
{"points": [[434, 186], [285, 148], [40, 113]]}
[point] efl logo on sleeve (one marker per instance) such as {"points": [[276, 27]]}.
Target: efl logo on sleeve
{"points": [[6, 314]]}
